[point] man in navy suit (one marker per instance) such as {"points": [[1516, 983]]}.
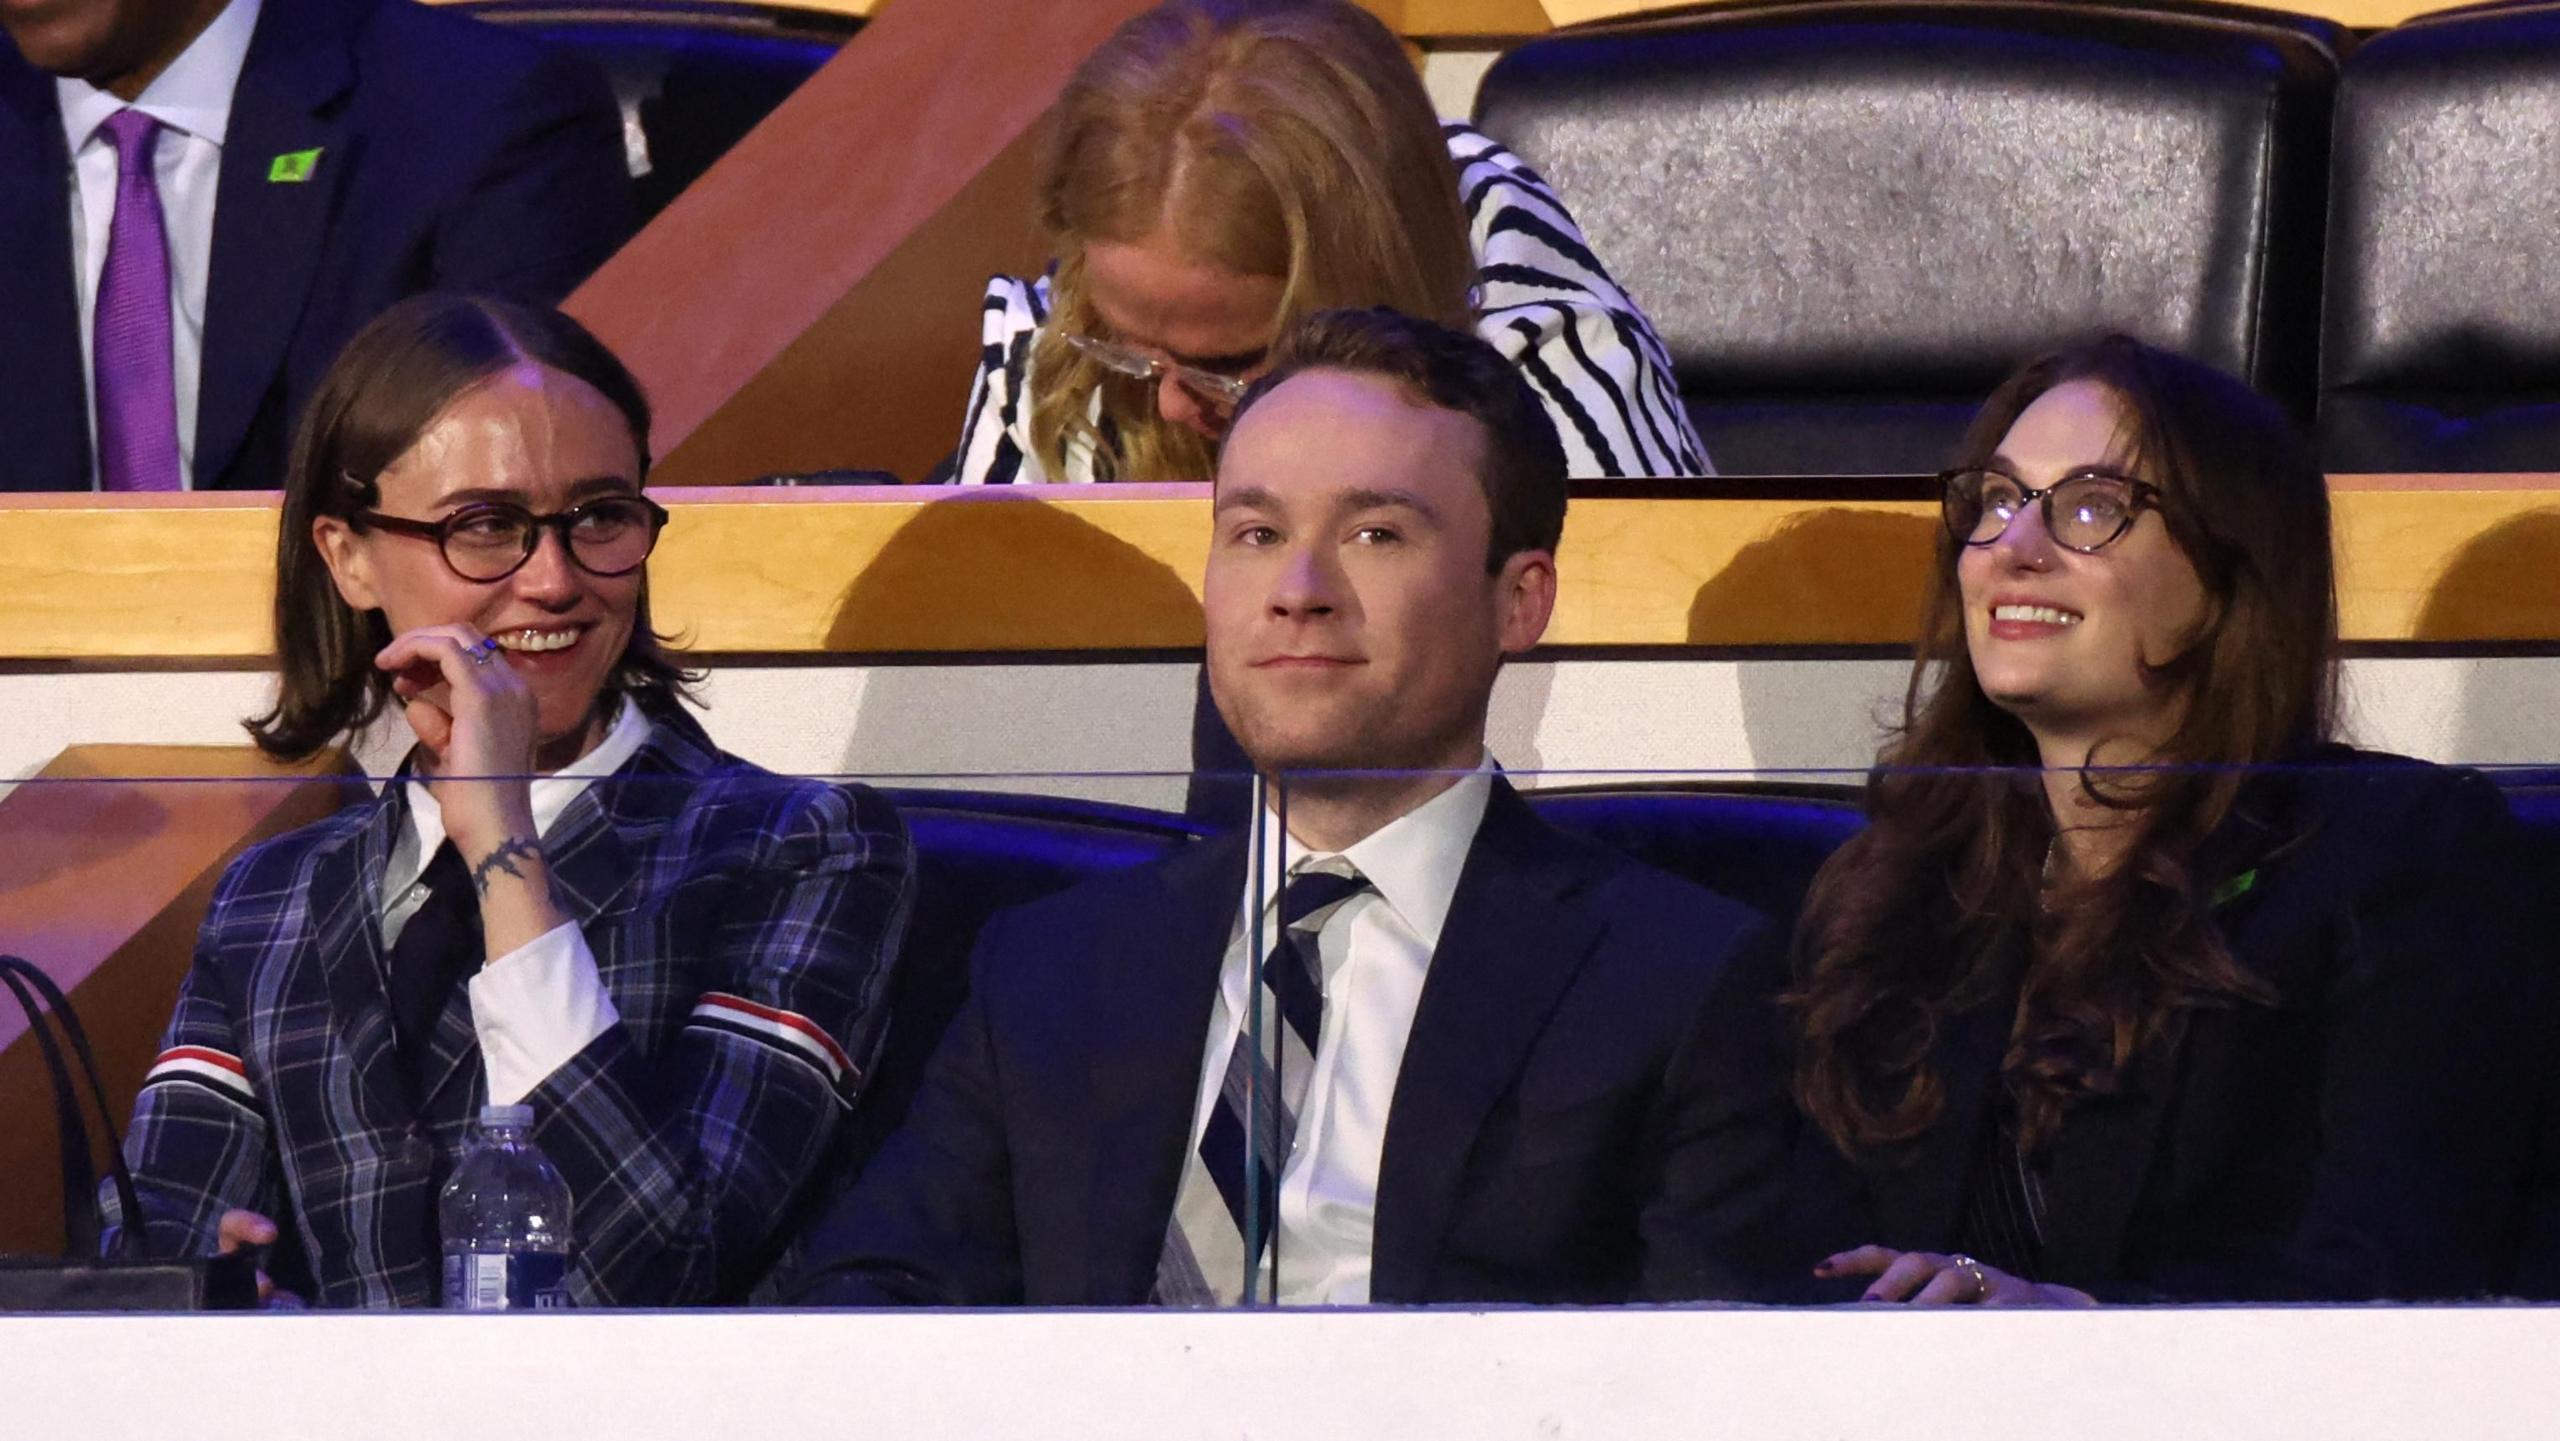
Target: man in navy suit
{"points": [[201, 200], [1434, 1051]]}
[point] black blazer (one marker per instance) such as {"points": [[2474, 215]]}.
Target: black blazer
{"points": [[2361, 1137], [453, 155], [1567, 1125]]}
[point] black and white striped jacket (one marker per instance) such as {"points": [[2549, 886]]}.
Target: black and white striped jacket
{"points": [[1546, 302]]}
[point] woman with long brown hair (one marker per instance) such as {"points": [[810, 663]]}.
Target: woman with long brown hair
{"points": [[2138, 985], [568, 900], [1218, 169]]}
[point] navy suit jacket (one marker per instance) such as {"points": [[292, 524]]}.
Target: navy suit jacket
{"points": [[1570, 1123], [2361, 1136], [453, 156]]}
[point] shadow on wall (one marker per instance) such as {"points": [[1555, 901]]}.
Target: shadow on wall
{"points": [[1018, 575], [2500, 587], [1012, 573], [1826, 578]]}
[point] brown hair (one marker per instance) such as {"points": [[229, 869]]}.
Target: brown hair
{"points": [[1288, 138], [1956, 858], [1523, 473], [382, 392]]}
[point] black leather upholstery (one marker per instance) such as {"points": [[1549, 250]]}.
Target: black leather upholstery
{"points": [[2442, 338], [692, 78], [1850, 220]]}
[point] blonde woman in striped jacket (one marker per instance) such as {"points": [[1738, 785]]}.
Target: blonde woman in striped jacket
{"points": [[1219, 168]]}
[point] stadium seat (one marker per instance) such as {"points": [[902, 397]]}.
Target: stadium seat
{"points": [[1761, 846], [2442, 337], [693, 78], [979, 852], [1849, 220]]}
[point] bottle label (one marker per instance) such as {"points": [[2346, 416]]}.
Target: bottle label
{"points": [[521, 1281]]}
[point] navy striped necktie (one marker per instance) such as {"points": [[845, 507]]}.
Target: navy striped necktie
{"points": [[1226, 1212]]}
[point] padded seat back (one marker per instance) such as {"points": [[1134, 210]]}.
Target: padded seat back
{"points": [[692, 78], [978, 853], [2441, 349], [1849, 221], [1760, 847]]}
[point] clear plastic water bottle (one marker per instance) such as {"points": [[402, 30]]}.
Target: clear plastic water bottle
{"points": [[505, 1220]]}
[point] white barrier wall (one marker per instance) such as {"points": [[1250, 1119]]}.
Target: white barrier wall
{"points": [[2365, 1374], [1572, 714]]}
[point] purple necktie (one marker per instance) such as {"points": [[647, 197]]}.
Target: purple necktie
{"points": [[137, 384]]}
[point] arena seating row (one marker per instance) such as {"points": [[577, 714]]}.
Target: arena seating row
{"points": [[692, 78], [978, 852], [1849, 217]]}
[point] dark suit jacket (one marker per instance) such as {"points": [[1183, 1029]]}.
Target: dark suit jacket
{"points": [[1568, 1125], [735, 917], [2361, 1137], [453, 156]]}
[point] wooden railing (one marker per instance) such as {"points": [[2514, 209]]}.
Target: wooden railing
{"points": [[867, 571]]}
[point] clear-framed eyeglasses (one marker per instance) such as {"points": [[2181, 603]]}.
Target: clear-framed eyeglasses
{"points": [[1212, 388]]}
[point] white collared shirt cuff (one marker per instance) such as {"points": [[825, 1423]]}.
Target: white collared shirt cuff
{"points": [[536, 1007]]}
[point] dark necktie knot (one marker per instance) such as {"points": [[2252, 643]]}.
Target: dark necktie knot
{"points": [[1313, 891]]}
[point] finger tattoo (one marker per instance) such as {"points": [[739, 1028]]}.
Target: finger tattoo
{"points": [[504, 858]]}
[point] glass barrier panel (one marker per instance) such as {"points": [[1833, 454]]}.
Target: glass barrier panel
{"points": [[1485, 1036]]}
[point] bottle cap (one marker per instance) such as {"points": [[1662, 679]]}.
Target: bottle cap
{"points": [[515, 1115]]}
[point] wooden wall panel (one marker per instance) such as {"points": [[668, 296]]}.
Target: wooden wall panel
{"points": [[906, 141], [104, 879], [1435, 19], [885, 569]]}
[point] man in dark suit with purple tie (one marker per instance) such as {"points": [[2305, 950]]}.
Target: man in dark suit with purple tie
{"points": [[1492, 1063], [201, 200]]}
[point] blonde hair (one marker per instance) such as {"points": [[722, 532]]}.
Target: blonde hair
{"points": [[1287, 138]]}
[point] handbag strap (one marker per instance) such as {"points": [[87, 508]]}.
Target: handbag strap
{"points": [[79, 1204], [78, 1211]]}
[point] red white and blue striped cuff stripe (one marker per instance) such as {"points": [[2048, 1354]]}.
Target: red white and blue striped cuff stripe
{"points": [[217, 1071], [788, 1031]]}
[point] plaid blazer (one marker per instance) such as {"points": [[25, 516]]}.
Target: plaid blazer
{"points": [[745, 926]]}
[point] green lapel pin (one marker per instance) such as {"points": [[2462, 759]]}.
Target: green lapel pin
{"points": [[294, 166]]}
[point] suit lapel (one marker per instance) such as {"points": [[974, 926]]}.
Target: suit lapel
{"points": [[1918, 1207], [1146, 1032], [2095, 1174], [590, 868], [44, 406], [1509, 949], [347, 946], [267, 235], [2103, 1155]]}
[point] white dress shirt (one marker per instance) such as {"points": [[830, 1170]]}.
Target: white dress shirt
{"points": [[1375, 950], [540, 1004], [193, 99]]}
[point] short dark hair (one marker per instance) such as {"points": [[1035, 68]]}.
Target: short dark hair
{"points": [[381, 393], [1523, 474]]}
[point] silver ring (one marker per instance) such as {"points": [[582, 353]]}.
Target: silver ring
{"points": [[1972, 1268], [482, 650]]}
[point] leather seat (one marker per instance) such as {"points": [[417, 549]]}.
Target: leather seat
{"points": [[2441, 349], [692, 78], [1850, 220]]}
